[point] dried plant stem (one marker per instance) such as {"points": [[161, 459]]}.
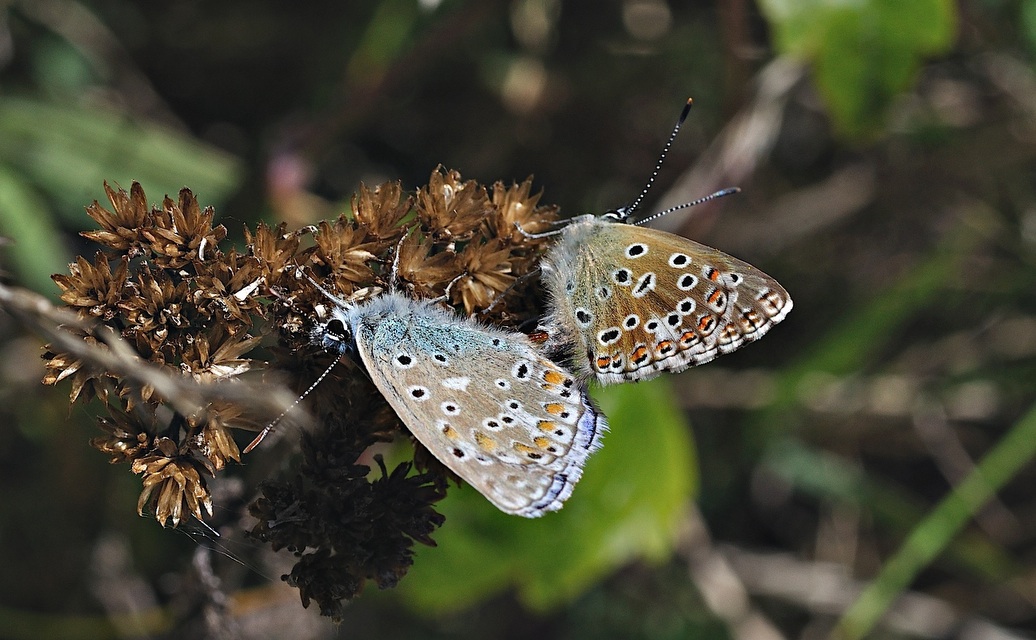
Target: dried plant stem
{"points": [[184, 395]]}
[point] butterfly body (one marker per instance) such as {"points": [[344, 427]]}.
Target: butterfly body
{"points": [[628, 302], [484, 401]]}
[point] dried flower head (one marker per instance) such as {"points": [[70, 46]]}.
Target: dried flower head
{"points": [[197, 312]]}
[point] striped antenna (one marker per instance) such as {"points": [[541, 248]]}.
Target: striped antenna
{"points": [[712, 196], [623, 213]]}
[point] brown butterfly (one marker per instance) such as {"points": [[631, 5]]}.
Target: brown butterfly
{"points": [[628, 302]]}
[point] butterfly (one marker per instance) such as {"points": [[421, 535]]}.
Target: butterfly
{"points": [[627, 302], [485, 402]]}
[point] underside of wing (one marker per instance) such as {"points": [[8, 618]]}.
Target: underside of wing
{"points": [[508, 421]]}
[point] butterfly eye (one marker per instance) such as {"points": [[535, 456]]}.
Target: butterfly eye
{"points": [[336, 329], [334, 336]]}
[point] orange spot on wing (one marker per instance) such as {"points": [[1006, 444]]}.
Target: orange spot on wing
{"points": [[553, 377], [546, 425], [541, 442], [484, 441], [539, 337], [554, 408]]}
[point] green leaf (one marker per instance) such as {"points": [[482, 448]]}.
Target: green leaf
{"points": [[36, 250], [68, 153], [864, 53], [629, 503]]}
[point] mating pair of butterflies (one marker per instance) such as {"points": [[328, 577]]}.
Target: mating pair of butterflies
{"points": [[625, 303]]}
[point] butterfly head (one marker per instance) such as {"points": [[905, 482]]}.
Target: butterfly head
{"points": [[335, 335]]}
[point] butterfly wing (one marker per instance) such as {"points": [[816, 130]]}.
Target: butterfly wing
{"points": [[638, 301], [486, 403]]}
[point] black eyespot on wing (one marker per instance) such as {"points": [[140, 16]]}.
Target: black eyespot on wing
{"points": [[622, 276], [679, 260], [636, 250], [646, 283]]}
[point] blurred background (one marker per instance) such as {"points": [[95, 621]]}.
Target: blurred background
{"points": [[865, 469]]}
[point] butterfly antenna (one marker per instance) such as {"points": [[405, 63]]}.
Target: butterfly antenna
{"points": [[445, 297], [503, 294], [330, 296], [394, 274], [712, 196], [545, 234], [623, 213], [269, 427]]}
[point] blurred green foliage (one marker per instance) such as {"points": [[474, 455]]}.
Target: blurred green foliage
{"points": [[278, 111], [630, 505], [52, 157], [863, 53]]}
